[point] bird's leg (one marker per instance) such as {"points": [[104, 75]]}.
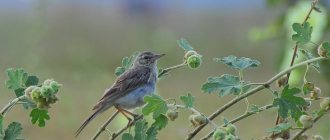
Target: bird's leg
{"points": [[123, 111]]}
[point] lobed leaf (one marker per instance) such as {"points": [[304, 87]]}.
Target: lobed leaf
{"points": [[127, 136], [32, 81], [140, 130], [152, 133], [183, 43], [188, 100], [238, 63], [126, 64], [279, 128], [309, 55], [17, 78], [303, 33], [40, 115], [13, 131], [225, 85], [160, 122], [155, 105]]}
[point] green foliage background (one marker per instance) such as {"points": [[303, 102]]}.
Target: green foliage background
{"points": [[80, 45]]}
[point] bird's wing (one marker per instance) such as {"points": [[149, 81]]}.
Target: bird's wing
{"points": [[125, 83]]}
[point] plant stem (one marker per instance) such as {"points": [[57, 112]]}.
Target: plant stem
{"points": [[13, 102], [166, 70], [245, 115], [115, 135], [251, 92], [103, 127], [305, 129]]}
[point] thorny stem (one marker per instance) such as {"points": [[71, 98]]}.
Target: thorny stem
{"points": [[251, 92], [7, 108], [245, 115]]}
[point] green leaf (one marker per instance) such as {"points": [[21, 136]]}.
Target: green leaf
{"points": [[225, 85], [279, 128], [17, 78], [238, 63], [303, 33], [289, 103], [1, 125], [309, 55], [326, 47], [155, 105], [40, 115], [160, 122], [140, 130], [127, 136], [152, 133], [26, 102], [32, 81], [254, 108], [183, 43], [126, 63], [188, 100], [13, 131]]}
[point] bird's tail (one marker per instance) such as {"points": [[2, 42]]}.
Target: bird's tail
{"points": [[89, 119]]}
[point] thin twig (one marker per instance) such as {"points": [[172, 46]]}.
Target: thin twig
{"points": [[245, 115], [115, 135], [305, 129], [103, 127], [251, 92], [164, 71], [5, 109]]}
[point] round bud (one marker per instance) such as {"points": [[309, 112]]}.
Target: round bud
{"points": [[283, 81], [55, 86], [47, 82], [28, 91], [200, 119], [172, 114], [315, 93], [317, 137], [47, 91], [189, 53], [36, 94], [325, 103], [306, 121], [219, 134], [321, 51], [231, 129], [194, 61]]}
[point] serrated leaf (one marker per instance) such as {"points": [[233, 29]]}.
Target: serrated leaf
{"points": [[303, 33], [127, 136], [238, 63], [326, 47], [32, 81], [225, 85], [289, 104], [160, 122], [1, 125], [40, 116], [13, 130], [155, 105], [188, 100], [279, 128], [126, 63], [140, 130], [183, 43], [152, 133], [17, 78], [309, 55]]}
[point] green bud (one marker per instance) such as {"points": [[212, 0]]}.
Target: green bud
{"points": [[219, 134], [325, 103], [194, 61], [306, 121], [172, 114], [231, 129], [189, 53], [36, 94], [317, 137], [55, 86], [28, 91], [47, 91], [47, 82]]}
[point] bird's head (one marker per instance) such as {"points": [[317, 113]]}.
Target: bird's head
{"points": [[148, 59]]}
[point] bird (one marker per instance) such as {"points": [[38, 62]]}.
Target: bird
{"points": [[129, 88]]}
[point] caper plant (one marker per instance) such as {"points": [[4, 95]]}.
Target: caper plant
{"points": [[33, 96]]}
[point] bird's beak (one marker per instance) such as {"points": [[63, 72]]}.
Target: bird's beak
{"points": [[157, 56]]}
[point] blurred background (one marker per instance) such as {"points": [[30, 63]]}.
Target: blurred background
{"points": [[79, 43]]}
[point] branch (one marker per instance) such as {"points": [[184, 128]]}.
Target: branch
{"points": [[166, 70], [103, 127], [305, 129], [251, 92], [115, 135], [245, 115], [11, 104]]}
